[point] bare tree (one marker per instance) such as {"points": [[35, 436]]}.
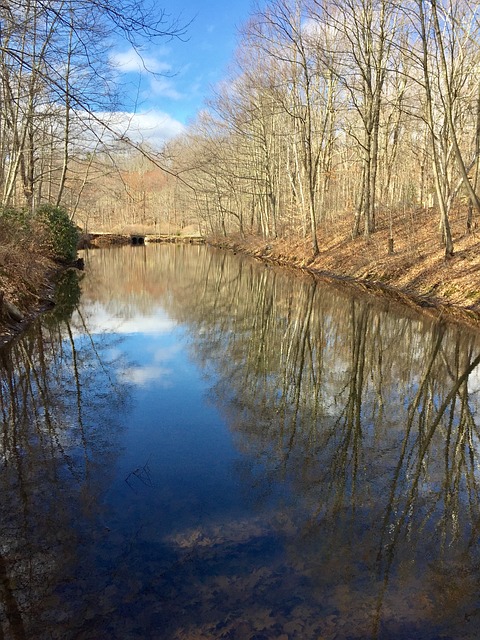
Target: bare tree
{"points": [[54, 68]]}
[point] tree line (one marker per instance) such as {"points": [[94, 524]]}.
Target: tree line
{"points": [[362, 107], [58, 90]]}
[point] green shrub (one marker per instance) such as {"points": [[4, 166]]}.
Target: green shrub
{"points": [[17, 219], [59, 233]]}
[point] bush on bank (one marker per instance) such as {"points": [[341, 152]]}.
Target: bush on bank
{"points": [[49, 230], [57, 232]]}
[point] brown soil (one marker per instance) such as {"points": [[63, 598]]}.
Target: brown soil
{"points": [[417, 273], [26, 277]]}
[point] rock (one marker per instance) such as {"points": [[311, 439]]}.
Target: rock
{"points": [[13, 311]]}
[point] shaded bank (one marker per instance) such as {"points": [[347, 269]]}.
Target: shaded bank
{"points": [[27, 286], [35, 248], [58, 289]]}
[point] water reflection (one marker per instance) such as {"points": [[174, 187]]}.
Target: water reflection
{"points": [[314, 475], [57, 440], [371, 416]]}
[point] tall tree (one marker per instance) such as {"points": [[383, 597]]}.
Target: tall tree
{"points": [[54, 67], [367, 29]]}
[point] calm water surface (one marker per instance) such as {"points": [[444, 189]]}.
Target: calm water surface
{"points": [[202, 447]]}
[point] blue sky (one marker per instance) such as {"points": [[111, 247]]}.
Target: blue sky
{"points": [[161, 105]]}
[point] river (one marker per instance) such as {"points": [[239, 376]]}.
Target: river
{"points": [[197, 446]]}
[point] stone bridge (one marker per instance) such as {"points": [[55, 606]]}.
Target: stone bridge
{"points": [[102, 238]]}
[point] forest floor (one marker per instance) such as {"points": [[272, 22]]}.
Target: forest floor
{"points": [[417, 273]]}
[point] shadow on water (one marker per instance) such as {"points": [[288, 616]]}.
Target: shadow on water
{"points": [[57, 437], [207, 448]]}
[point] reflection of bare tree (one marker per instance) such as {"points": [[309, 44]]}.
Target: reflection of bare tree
{"points": [[10, 604], [52, 400], [370, 415], [366, 418]]}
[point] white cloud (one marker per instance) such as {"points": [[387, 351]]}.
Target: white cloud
{"points": [[104, 320], [153, 126], [142, 376], [130, 61], [164, 87], [311, 27], [157, 372], [160, 73], [167, 353]]}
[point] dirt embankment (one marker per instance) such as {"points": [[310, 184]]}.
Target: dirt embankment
{"points": [[27, 278], [416, 273]]}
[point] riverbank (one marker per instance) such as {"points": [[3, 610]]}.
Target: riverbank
{"points": [[34, 247], [416, 273], [27, 277], [26, 289]]}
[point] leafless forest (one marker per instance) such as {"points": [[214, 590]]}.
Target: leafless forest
{"points": [[365, 109]]}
